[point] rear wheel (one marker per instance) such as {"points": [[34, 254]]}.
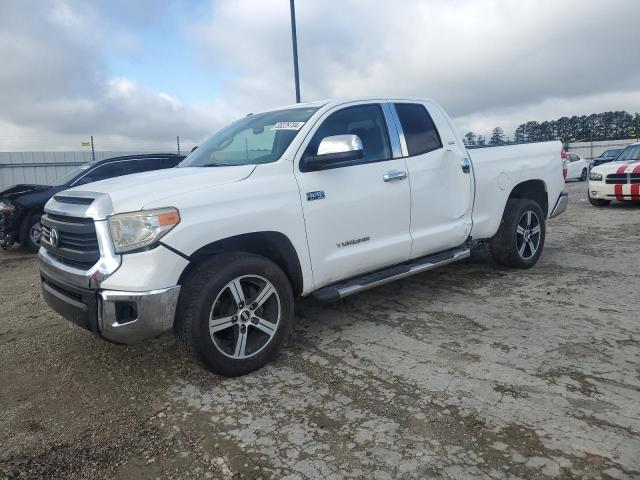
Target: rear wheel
{"points": [[583, 176], [597, 202], [520, 238], [235, 312]]}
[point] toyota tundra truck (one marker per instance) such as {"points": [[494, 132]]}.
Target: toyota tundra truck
{"points": [[325, 199]]}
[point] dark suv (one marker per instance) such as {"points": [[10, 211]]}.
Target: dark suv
{"points": [[21, 206]]}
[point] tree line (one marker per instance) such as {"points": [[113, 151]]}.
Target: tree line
{"points": [[597, 126]]}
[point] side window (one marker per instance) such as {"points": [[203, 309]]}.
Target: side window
{"points": [[420, 132], [573, 157], [107, 170], [137, 166], [366, 121]]}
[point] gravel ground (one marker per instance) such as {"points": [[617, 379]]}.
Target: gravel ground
{"points": [[470, 371]]}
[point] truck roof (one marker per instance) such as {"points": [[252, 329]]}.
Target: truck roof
{"points": [[342, 100]]}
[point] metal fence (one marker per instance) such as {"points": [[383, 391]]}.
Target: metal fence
{"points": [[590, 150], [45, 167]]}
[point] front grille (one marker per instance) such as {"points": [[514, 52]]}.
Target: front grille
{"points": [[623, 178], [74, 200], [77, 242]]}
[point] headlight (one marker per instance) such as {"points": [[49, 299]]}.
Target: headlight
{"points": [[6, 207], [595, 176], [135, 230]]}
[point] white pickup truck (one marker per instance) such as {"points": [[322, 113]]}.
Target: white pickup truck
{"points": [[327, 198]]}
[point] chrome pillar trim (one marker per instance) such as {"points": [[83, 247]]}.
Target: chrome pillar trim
{"points": [[155, 314], [394, 136], [561, 205], [92, 278], [396, 121]]}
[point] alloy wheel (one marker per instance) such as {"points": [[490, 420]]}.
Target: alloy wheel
{"points": [[35, 232], [528, 235], [245, 316]]}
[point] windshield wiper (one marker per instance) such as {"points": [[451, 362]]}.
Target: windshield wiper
{"points": [[217, 164]]}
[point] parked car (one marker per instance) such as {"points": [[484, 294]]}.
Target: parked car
{"points": [[616, 180], [327, 198], [606, 156], [21, 206], [577, 167]]}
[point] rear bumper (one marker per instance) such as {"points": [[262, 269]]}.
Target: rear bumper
{"points": [[121, 317], [561, 205]]}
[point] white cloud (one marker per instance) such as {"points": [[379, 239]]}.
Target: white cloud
{"points": [[489, 62]]}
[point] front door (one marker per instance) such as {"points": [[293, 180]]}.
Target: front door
{"points": [[356, 220]]}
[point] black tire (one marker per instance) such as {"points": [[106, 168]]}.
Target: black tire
{"points": [[584, 174], [27, 241], [510, 247], [207, 288]]}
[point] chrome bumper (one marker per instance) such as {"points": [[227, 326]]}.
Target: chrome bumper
{"points": [[129, 317], [561, 205], [117, 316]]}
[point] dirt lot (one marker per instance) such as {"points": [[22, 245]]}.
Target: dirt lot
{"points": [[471, 371]]}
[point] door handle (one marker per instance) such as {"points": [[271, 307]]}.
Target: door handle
{"points": [[391, 176], [466, 165]]}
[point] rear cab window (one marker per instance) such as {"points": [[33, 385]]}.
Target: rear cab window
{"points": [[420, 132]]}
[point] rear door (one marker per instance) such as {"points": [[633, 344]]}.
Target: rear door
{"points": [[356, 219], [441, 185]]}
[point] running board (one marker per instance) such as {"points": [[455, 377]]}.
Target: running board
{"points": [[345, 288]]}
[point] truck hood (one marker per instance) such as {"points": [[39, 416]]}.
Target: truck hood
{"points": [[134, 192], [16, 191], [618, 167]]}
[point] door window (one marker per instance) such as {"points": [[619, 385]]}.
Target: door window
{"points": [[366, 121], [420, 132], [107, 170], [148, 165]]}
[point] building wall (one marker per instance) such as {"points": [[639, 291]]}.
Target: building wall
{"points": [[589, 150], [44, 167]]}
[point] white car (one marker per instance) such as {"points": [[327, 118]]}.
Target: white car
{"points": [[618, 180], [577, 167], [328, 198]]}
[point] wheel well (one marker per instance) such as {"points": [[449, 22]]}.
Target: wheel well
{"points": [[535, 190], [272, 245]]}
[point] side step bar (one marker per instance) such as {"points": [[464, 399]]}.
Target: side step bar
{"points": [[345, 288]]}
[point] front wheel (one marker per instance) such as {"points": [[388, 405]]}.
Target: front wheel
{"points": [[31, 236], [520, 238], [598, 202], [235, 312]]}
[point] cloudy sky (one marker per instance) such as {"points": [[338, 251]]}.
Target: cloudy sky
{"points": [[137, 73]]}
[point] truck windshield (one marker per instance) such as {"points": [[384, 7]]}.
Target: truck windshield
{"points": [[254, 139], [70, 175], [630, 153]]}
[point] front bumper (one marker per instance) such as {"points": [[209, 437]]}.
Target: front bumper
{"points": [[561, 205], [8, 232], [121, 317], [607, 191]]}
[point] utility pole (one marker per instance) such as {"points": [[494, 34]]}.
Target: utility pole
{"points": [[93, 150], [178, 141], [294, 39]]}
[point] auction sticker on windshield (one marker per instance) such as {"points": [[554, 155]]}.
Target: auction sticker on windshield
{"points": [[288, 125]]}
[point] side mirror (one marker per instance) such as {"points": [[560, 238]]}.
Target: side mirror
{"points": [[334, 151]]}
